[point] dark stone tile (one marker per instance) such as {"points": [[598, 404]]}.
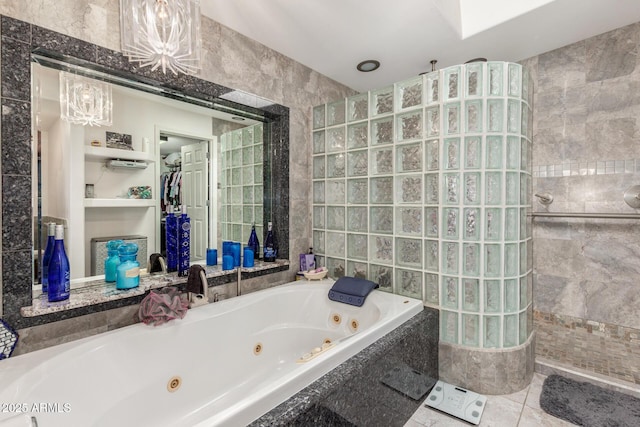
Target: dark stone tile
{"points": [[15, 69], [16, 213], [62, 44], [16, 285], [16, 137], [15, 29]]}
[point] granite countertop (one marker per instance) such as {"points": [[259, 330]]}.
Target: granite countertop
{"points": [[94, 292]]}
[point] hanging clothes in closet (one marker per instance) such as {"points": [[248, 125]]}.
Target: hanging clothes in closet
{"points": [[170, 188]]}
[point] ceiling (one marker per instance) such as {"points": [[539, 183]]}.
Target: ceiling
{"points": [[333, 36]]}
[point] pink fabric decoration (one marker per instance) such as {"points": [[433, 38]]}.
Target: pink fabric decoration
{"points": [[162, 306]]}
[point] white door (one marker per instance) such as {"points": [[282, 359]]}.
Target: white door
{"points": [[196, 190]]}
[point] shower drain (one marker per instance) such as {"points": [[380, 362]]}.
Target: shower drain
{"points": [[174, 384]]}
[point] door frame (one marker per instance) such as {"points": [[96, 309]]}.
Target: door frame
{"points": [[212, 184]]}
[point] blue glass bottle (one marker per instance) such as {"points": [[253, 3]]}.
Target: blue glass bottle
{"points": [[171, 233], [112, 261], [270, 245], [184, 242], [59, 274], [254, 243], [128, 272], [46, 258]]}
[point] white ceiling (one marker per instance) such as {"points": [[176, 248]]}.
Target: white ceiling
{"points": [[333, 36]]}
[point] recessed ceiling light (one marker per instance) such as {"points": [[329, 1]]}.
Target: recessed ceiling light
{"points": [[240, 119], [368, 65]]}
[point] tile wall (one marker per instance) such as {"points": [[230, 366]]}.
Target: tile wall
{"points": [[586, 151]]}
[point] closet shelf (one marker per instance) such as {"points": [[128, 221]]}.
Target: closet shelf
{"points": [[119, 203], [101, 153]]}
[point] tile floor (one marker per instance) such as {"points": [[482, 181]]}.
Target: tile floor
{"points": [[521, 409]]}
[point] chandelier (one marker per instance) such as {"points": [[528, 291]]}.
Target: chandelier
{"points": [[162, 34], [85, 101]]}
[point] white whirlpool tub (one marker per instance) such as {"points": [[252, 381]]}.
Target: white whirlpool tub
{"points": [[224, 364]]}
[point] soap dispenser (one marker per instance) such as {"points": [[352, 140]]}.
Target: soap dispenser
{"points": [[128, 272]]}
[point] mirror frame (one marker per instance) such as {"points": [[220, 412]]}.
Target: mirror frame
{"points": [[19, 40]]}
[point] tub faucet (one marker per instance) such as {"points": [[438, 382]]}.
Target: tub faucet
{"points": [[197, 286]]}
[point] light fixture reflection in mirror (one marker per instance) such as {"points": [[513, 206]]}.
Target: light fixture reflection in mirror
{"points": [[85, 101], [71, 156]]}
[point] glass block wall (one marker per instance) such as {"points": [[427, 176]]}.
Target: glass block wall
{"points": [[424, 187], [241, 175]]}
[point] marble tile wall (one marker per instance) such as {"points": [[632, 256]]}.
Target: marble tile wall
{"points": [[230, 59], [586, 109]]}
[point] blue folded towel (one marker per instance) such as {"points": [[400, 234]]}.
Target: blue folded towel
{"points": [[351, 290]]}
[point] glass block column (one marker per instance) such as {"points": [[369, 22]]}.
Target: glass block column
{"points": [[241, 194], [424, 187]]}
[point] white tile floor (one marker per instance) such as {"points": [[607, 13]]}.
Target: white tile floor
{"points": [[521, 409]]}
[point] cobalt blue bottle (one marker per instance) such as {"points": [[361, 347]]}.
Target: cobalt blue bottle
{"points": [[112, 261], [59, 274], [184, 242], [46, 258], [270, 245], [171, 233], [128, 272], [254, 243]]}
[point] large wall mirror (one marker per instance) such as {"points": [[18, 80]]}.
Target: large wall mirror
{"points": [[119, 181], [162, 123]]}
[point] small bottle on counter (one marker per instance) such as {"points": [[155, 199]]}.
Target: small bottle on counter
{"points": [[184, 242], [270, 245], [254, 243], [171, 233], [46, 258], [59, 273], [112, 261], [128, 272]]}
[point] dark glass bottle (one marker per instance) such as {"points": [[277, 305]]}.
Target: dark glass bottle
{"points": [[253, 242], [183, 227], [171, 230], [270, 246], [46, 258], [59, 273]]}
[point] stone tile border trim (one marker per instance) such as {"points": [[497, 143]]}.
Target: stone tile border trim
{"points": [[607, 330]]}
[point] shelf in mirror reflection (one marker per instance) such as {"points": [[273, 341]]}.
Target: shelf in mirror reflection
{"points": [[100, 153], [119, 203]]}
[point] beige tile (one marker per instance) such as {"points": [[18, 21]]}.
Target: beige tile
{"points": [[533, 397], [519, 397], [500, 412], [538, 418]]}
